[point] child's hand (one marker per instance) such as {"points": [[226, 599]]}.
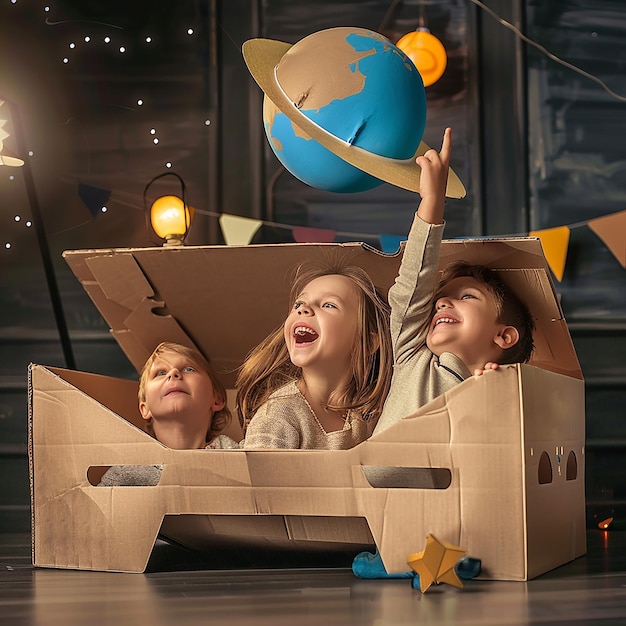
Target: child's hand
{"points": [[433, 180], [488, 366]]}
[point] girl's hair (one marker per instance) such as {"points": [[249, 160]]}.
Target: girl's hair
{"points": [[510, 309], [268, 366], [222, 417]]}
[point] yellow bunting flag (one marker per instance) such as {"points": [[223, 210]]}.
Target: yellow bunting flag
{"points": [[237, 230], [612, 230], [554, 242]]}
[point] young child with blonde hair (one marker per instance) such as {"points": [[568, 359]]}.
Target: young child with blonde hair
{"points": [[183, 402], [319, 380]]}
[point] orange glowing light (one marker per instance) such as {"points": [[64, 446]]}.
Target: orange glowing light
{"points": [[427, 53]]}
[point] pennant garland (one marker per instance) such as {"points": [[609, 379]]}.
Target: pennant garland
{"points": [[611, 229], [304, 234], [94, 198], [554, 242], [239, 231], [391, 243]]}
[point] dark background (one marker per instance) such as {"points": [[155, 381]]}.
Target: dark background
{"points": [[537, 145]]}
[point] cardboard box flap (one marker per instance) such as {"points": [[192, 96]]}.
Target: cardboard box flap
{"points": [[226, 299]]}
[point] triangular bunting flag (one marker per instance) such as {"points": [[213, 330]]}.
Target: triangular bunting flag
{"points": [[237, 230], [93, 197], [612, 230], [554, 242], [303, 234], [391, 243]]}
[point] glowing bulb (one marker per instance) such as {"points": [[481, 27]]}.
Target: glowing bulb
{"points": [[107, 40], [170, 219], [7, 245], [605, 523], [426, 52]]}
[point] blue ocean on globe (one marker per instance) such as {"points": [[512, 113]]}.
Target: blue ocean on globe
{"points": [[385, 114]]}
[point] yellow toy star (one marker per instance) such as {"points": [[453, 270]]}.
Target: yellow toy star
{"points": [[435, 564]]}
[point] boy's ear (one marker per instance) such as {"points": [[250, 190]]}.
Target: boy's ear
{"points": [[145, 411], [219, 403], [507, 337]]}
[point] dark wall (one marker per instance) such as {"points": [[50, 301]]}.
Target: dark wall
{"points": [[536, 144]]}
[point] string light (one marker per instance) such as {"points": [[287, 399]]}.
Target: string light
{"points": [[425, 50]]}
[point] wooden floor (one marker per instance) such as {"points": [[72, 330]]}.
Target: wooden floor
{"points": [[180, 590]]}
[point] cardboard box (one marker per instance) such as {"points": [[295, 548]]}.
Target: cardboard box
{"points": [[496, 465]]}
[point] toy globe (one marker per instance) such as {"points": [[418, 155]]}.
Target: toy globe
{"points": [[356, 85]]}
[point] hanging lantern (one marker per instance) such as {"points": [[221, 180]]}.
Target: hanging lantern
{"points": [[171, 219], [426, 52]]}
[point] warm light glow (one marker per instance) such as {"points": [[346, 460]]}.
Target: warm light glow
{"points": [[605, 523], [426, 52], [8, 158], [170, 219]]}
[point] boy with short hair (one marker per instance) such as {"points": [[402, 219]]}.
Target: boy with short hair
{"points": [[445, 331]]}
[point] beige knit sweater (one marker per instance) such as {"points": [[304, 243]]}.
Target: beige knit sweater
{"points": [[286, 420], [419, 376]]}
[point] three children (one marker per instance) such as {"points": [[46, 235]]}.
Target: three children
{"points": [[324, 378]]}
